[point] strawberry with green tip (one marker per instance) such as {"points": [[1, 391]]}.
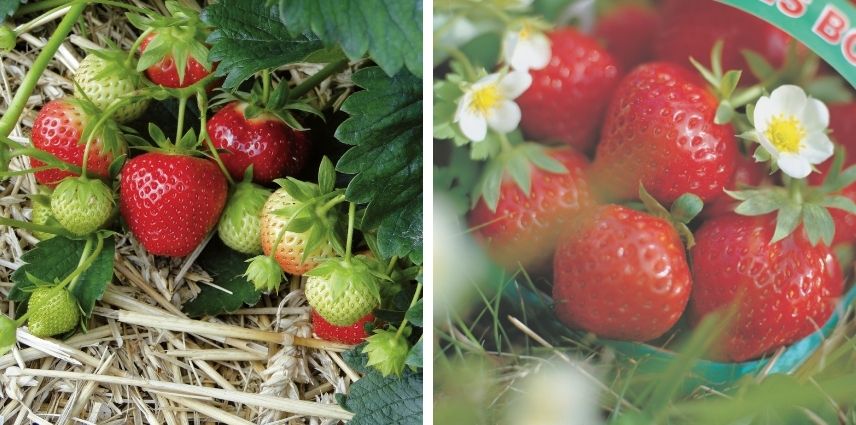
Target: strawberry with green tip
{"points": [[52, 311], [59, 129], [353, 334], [301, 224], [104, 77], [240, 224], [82, 205], [344, 290]]}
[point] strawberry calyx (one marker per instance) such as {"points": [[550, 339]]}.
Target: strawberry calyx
{"points": [[798, 203], [180, 36], [387, 350], [187, 145], [516, 162], [82, 205], [262, 103], [356, 273], [682, 211], [314, 212], [8, 38], [113, 62], [264, 273]]}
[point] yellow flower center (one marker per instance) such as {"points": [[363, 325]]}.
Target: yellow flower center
{"points": [[525, 32], [785, 133], [485, 99]]}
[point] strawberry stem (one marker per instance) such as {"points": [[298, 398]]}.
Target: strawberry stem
{"points": [[202, 102], [352, 212], [91, 136], [265, 86], [412, 303], [39, 6], [391, 264], [330, 204], [54, 230], [463, 60], [20, 321], [182, 107], [310, 83], [16, 106], [136, 46], [85, 263]]}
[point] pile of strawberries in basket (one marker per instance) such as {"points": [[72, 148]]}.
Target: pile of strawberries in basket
{"points": [[681, 159]]}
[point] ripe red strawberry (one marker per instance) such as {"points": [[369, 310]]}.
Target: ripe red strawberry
{"points": [[353, 334], [57, 130], [843, 126], [567, 99], [171, 201], [621, 274], [691, 28], [165, 72], [747, 172], [659, 130], [628, 33], [265, 142], [524, 229], [783, 291]]}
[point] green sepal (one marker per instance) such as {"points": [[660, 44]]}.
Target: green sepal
{"points": [[326, 176], [787, 220], [264, 273], [682, 212], [686, 207], [8, 329], [759, 201], [818, 224], [758, 65], [359, 272], [387, 350]]}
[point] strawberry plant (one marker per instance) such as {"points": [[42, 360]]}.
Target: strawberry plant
{"points": [[644, 211], [255, 154]]}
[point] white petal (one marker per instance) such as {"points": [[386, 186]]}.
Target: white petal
{"points": [[763, 114], [817, 148], [815, 116], [505, 117], [794, 165], [532, 52], [485, 81], [463, 105], [788, 100], [509, 45], [762, 139], [514, 84], [473, 126]]}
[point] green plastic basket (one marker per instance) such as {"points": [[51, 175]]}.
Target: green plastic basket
{"points": [[651, 359]]}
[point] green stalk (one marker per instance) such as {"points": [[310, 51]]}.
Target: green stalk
{"points": [[20, 321], [182, 107], [136, 46], [330, 204], [16, 106], [39, 6], [309, 83], [265, 86], [352, 212], [84, 265], [412, 303], [54, 230], [202, 102]]}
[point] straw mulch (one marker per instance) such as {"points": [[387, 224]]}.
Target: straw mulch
{"points": [[142, 360]]}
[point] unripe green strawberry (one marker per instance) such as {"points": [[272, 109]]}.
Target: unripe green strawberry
{"points": [[387, 350], [343, 291], [104, 77], [7, 334], [52, 311], [82, 205], [41, 214], [240, 224]]}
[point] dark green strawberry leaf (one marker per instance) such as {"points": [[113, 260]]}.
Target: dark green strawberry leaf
{"points": [[414, 357], [414, 314], [250, 37], [357, 359], [56, 258], [8, 8], [385, 130], [226, 267], [391, 400], [389, 30]]}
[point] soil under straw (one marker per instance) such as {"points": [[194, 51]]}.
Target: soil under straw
{"points": [[142, 360]]}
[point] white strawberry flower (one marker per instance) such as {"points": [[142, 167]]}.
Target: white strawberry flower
{"points": [[526, 48], [489, 103], [790, 126]]}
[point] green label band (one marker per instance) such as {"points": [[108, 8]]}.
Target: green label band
{"points": [[826, 27]]}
